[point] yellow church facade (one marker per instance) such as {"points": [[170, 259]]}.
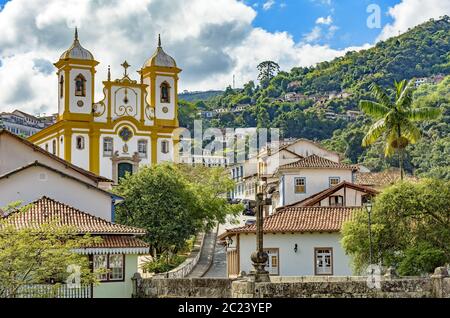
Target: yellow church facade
{"points": [[132, 125]]}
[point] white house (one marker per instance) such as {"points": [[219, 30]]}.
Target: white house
{"points": [[301, 179], [117, 253], [298, 240]]}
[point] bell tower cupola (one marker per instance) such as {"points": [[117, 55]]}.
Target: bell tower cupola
{"points": [[160, 73], [76, 80]]}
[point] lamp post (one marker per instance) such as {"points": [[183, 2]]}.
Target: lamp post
{"points": [[368, 207]]}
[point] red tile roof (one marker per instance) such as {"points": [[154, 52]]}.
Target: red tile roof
{"points": [[314, 161], [46, 210], [380, 179], [119, 241], [300, 220], [317, 197]]}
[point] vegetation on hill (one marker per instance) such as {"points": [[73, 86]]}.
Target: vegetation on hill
{"points": [[423, 51]]}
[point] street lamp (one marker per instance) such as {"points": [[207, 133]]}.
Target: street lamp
{"points": [[368, 207]]}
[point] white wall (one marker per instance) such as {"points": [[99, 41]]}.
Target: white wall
{"points": [[87, 100], [163, 157], [35, 182], [352, 197], [80, 157], [158, 105], [302, 262], [118, 106], [306, 148], [316, 180], [14, 154]]}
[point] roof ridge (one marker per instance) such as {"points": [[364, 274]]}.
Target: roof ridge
{"points": [[94, 217]]}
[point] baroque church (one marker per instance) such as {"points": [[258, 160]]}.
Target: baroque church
{"points": [[132, 125]]}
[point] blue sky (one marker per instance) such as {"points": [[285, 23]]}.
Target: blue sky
{"points": [[298, 17]]}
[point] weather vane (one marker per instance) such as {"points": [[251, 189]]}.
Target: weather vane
{"points": [[125, 65]]}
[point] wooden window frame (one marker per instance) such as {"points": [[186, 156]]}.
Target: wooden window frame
{"points": [[143, 154], [105, 139], [329, 181], [315, 260], [334, 196], [277, 250], [295, 185], [108, 279]]}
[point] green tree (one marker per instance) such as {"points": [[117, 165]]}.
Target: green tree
{"points": [[395, 119], [410, 228], [38, 255], [267, 70], [173, 203]]}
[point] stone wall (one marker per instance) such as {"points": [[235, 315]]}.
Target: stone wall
{"points": [[437, 285], [185, 288]]}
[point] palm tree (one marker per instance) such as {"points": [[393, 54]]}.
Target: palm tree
{"points": [[395, 119]]}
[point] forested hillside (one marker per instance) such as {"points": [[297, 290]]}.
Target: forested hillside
{"points": [[324, 95]]}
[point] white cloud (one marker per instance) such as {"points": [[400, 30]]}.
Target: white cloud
{"points": [[268, 4], [325, 20], [410, 13], [314, 35], [210, 40]]}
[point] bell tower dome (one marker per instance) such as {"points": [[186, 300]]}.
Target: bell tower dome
{"points": [[76, 80], [160, 73]]}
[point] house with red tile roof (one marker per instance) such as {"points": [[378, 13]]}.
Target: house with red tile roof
{"points": [[298, 240], [117, 253]]}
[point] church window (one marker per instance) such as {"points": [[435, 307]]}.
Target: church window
{"points": [[80, 85], [80, 142], [165, 146], [46, 147], [61, 87], [108, 147], [165, 92], [54, 147], [142, 148]]}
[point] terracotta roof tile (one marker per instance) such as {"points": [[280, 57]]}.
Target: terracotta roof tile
{"points": [[319, 196], [315, 161], [301, 219], [46, 210], [380, 179], [119, 241]]}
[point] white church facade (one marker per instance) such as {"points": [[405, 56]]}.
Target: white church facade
{"points": [[132, 125]]}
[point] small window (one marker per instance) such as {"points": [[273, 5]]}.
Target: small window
{"points": [[165, 92], [46, 147], [165, 146], [80, 85], [336, 200], [334, 181], [116, 267], [324, 261], [54, 147], [80, 142], [108, 147], [142, 148], [300, 185], [112, 266]]}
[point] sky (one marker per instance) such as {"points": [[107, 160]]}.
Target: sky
{"points": [[210, 40]]}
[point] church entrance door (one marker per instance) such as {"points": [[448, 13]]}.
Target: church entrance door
{"points": [[123, 168]]}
